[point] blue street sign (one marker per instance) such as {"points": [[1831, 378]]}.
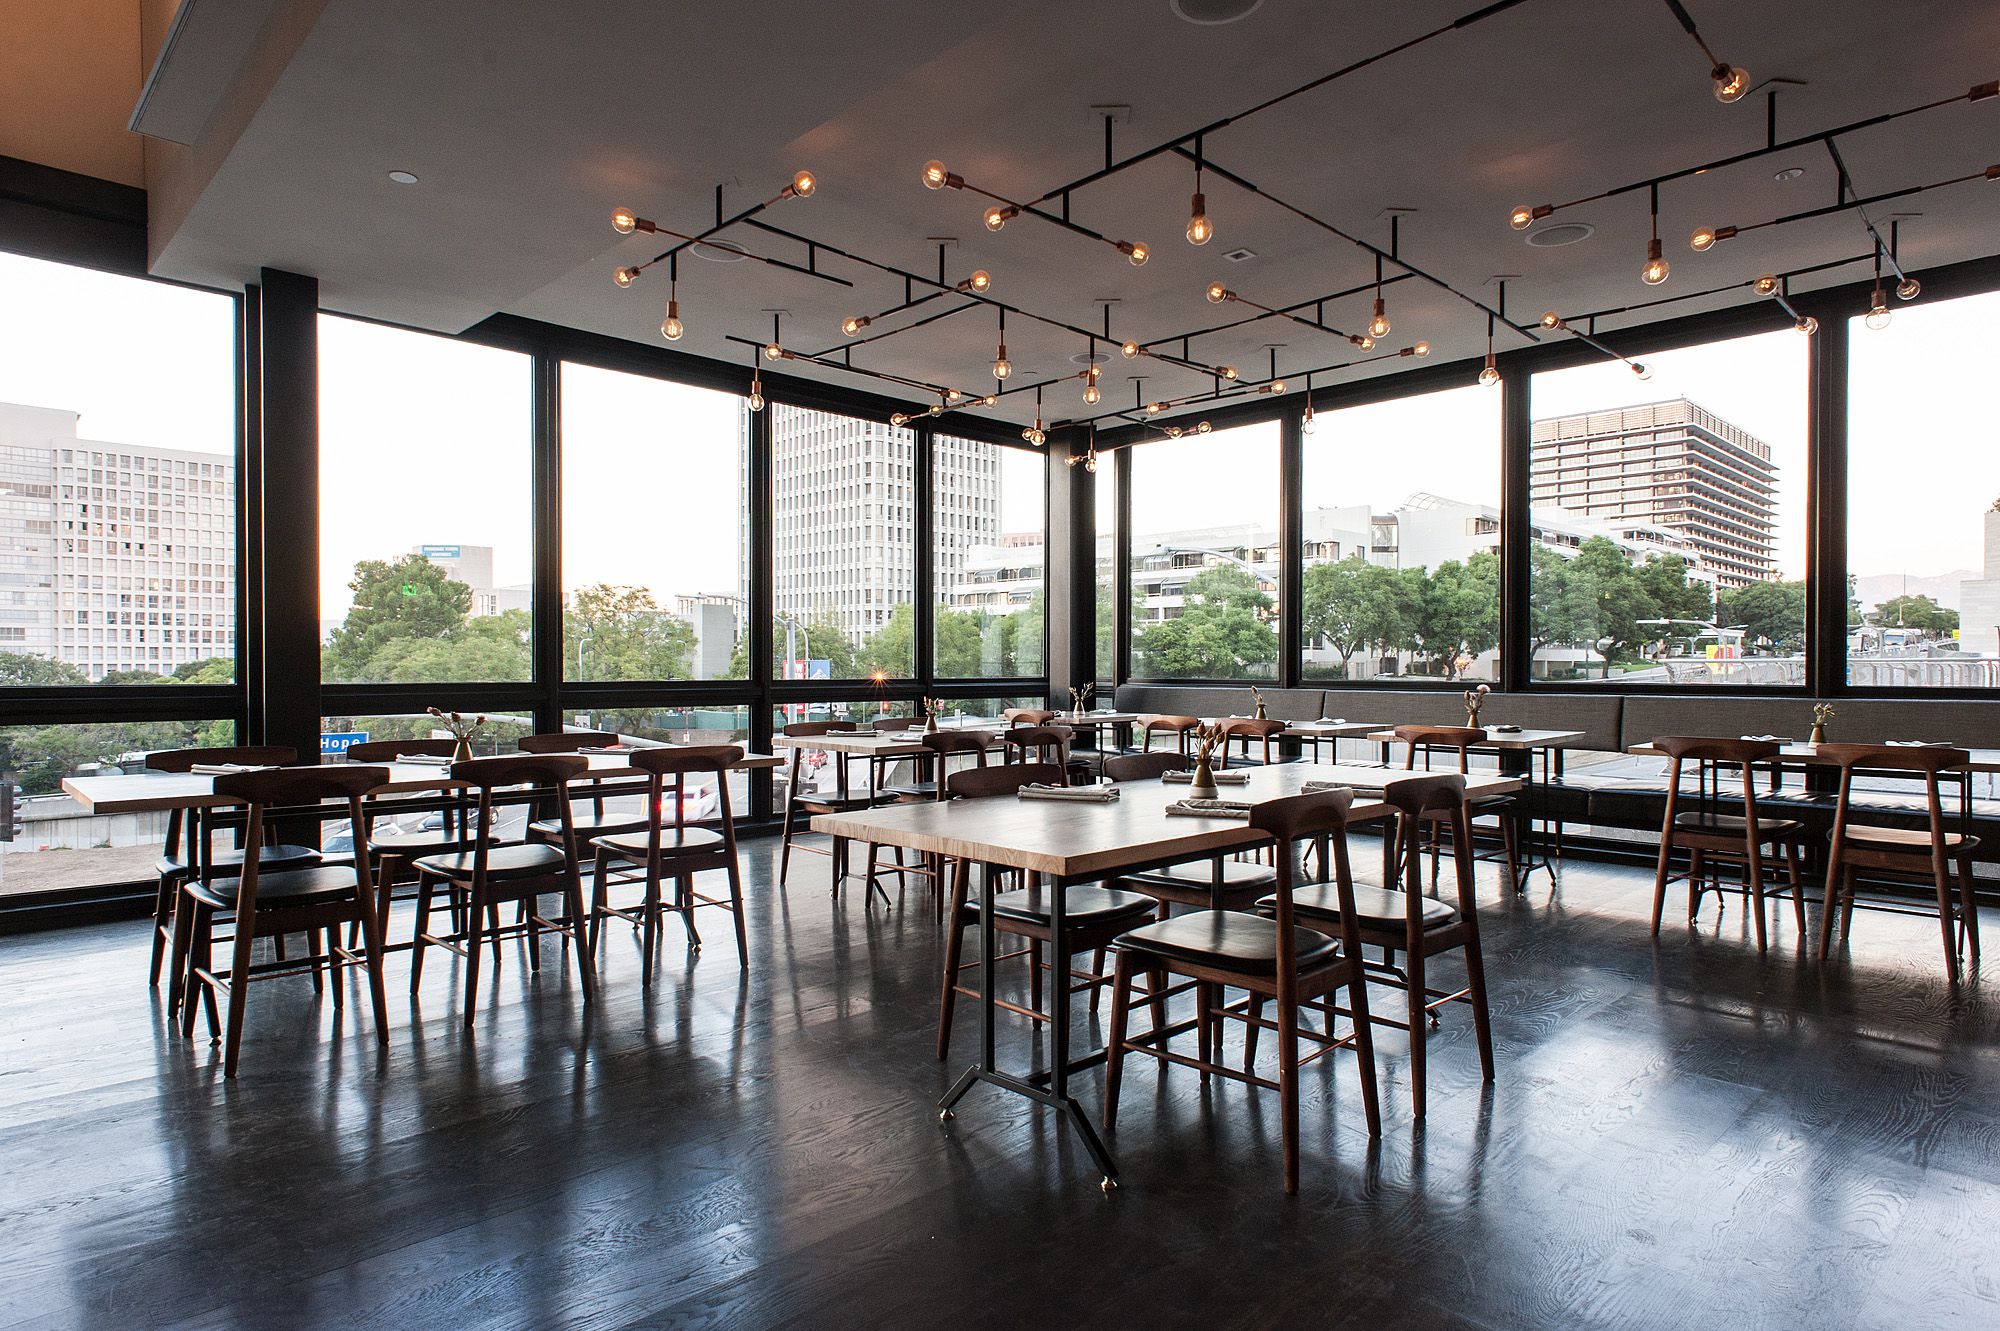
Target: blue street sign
{"points": [[440, 551], [335, 744], [819, 668]]}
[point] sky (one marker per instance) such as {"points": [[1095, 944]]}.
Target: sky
{"points": [[425, 440]]}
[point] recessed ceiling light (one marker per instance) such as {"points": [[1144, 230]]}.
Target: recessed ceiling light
{"points": [[1790, 173], [1239, 255], [403, 177], [1209, 13], [1563, 233], [1089, 358], [719, 251]]}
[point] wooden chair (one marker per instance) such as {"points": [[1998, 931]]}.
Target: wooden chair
{"points": [[597, 822], [1706, 832], [1027, 716], [394, 852], [270, 902], [489, 874], [186, 846], [1458, 741], [1242, 730], [1180, 728], [1272, 957], [1418, 926], [1924, 854], [1041, 744], [1233, 883], [942, 746], [1092, 916], [1143, 766], [670, 848], [796, 802]]}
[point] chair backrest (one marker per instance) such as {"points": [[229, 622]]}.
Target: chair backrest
{"points": [[688, 759], [184, 760], [807, 729], [1027, 716], [1709, 752], [1144, 766], [1041, 738], [1289, 820], [1425, 794], [1296, 816], [1709, 749], [288, 787], [1253, 727], [674, 766], [982, 782], [963, 741], [388, 750], [520, 769], [1423, 739], [1170, 724], [568, 741], [1926, 759]]}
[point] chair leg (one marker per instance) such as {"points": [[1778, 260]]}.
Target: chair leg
{"points": [[1968, 907], [425, 886], [1796, 880], [476, 913], [736, 909], [1697, 881], [1204, 1003], [166, 891], [1034, 950], [1510, 841], [1660, 875], [1945, 892], [1096, 968], [586, 965], [684, 896], [1364, 1044], [198, 957], [1848, 877], [1830, 900], [1288, 1090], [1419, 1031], [954, 945], [1114, 1050], [785, 842], [239, 995], [649, 928], [177, 971], [1250, 1031], [1753, 873], [333, 967], [312, 953], [371, 934]]}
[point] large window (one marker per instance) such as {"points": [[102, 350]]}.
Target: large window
{"points": [[1108, 546], [653, 529], [1402, 538], [1923, 498], [425, 507], [1204, 555], [1669, 517], [988, 507], [117, 479], [641, 727], [843, 562]]}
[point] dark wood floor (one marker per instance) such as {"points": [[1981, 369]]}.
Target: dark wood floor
{"points": [[1686, 1136]]}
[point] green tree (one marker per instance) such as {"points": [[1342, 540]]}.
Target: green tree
{"points": [[1769, 612], [1454, 611], [1223, 630], [404, 601], [210, 670], [1921, 613], [1562, 601], [135, 677], [25, 668], [620, 633]]}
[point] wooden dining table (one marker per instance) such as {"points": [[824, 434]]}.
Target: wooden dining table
{"points": [[1066, 842]]}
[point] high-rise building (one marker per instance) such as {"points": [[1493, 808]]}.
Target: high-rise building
{"points": [[842, 503], [1668, 464], [117, 556]]}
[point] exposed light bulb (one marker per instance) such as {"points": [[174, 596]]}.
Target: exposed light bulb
{"points": [[756, 402], [803, 184], [1217, 293], [1765, 285], [1702, 239], [953, 396], [1154, 408], [1136, 251], [1550, 319], [853, 324], [772, 351], [980, 279], [899, 420], [1878, 311], [1489, 375], [1203, 428], [1643, 370], [1002, 367], [988, 400], [1229, 372], [1365, 342], [1379, 325], [1090, 462], [1909, 289], [996, 217], [1033, 434], [1730, 83], [623, 220], [1521, 218], [935, 175], [1657, 268], [1090, 394], [671, 327], [1275, 386], [1172, 431], [1199, 228], [625, 277], [1422, 349], [1129, 350], [1308, 424], [1807, 325]]}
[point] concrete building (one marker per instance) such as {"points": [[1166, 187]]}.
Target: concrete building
{"points": [[473, 566], [1979, 598], [843, 496], [1671, 465], [115, 556]]}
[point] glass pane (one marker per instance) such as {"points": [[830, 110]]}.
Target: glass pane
{"points": [[692, 724], [117, 479], [1402, 538], [497, 736], [1670, 517], [844, 533], [1107, 581], [60, 845], [989, 532], [425, 507], [1923, 530], [652, 600], [1204, 552]]}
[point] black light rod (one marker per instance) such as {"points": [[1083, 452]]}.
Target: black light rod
{"points": [[851, 343], [1287, 309], [672, 255], [1989, 173], [1715, 291], [935, 390], [727, 222], [1241, 388]]}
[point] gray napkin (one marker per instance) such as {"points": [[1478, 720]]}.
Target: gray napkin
{"points": [[1210, 809], [1083, 794], [1221, 778]]}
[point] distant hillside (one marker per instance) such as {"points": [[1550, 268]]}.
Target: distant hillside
{"points": [[1875, 588]]}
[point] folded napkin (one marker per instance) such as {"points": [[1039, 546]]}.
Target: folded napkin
{"points": [[1322, 787], [425, 759], [1917, 743], [1769, 739], [1221, 778], [1210, 809], [224, 769], [1084, 794], [1332, 721]]}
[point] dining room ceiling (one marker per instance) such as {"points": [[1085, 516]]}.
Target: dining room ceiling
{"points": [[525, 124]]}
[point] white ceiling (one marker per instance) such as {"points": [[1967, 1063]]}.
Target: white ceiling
{"points": [[528, 122]]}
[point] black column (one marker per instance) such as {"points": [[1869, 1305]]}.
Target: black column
{"points": [[1826, 505], [1291, 547], [923, 559], [545, 596], [286, 707], [1070, 568], [1516, 523], [760, 593]]}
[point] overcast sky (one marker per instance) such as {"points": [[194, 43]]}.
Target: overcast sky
{"points": [[426, 440]]}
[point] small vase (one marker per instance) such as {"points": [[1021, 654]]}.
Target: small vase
{"points": [[1261, 715], [930, 723], [1472, 718], [1818, 735], [461, 752], [1201, 783], [1077, 714]]}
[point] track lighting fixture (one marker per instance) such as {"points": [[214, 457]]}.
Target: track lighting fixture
{"points": [[1199, 229], [1004, 210], [997, 217], [979, 283], [1306, 425], [1657, 268], [899, 420], [671, 327], [1274, 386], [853, 324], [1378, 324], [1878, 315], [1034, 433], [1489, 373], [1091, 371], [775, 348], [1730, 82], [756, 399], [1706, 237], [1524, 217], [1769, 285], [1087, 458], [1002, 367], [953, 396], [1135, 251]]}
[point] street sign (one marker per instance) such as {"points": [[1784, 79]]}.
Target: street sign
{"points": [[334, 744], [440, 551]]}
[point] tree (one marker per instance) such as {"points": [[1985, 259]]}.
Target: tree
{"points": [[210, 670], [1454, 611], [1223, 630], [1769, 612], [25, 668], [135, 677], [405, 601], [1921, 613], [620, 633], [1562, 601]]}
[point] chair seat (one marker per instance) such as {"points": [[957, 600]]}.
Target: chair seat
{"points": [[1729, 824], [588, 825], [912, 792], [634, 845], [501, 862], [1237, 875], [290, 887], [816, 803], [1373, 907], [268, 858], [1912, 839], [1081, 905], [1227, 940], [404, 843]]}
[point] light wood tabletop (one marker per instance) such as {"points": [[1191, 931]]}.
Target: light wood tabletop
{"points": [[159, 792], [1505, 739], [1079, 840], [1808, 755], [887, 744]]}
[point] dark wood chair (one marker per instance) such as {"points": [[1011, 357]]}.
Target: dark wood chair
{"points": [[941, 747], [188, 841], [1177, 728], [395, 851], [797, 801], [1708, 833], [1418, 926], [269, 902], [487, 874], [1223, 881], [1242, 731], [1027, 716], [1924, 854], [1275, 958], [598, 822], [672, 848], [1457, 742], [1143, 766], [1092, 916], [1040, 744]]}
